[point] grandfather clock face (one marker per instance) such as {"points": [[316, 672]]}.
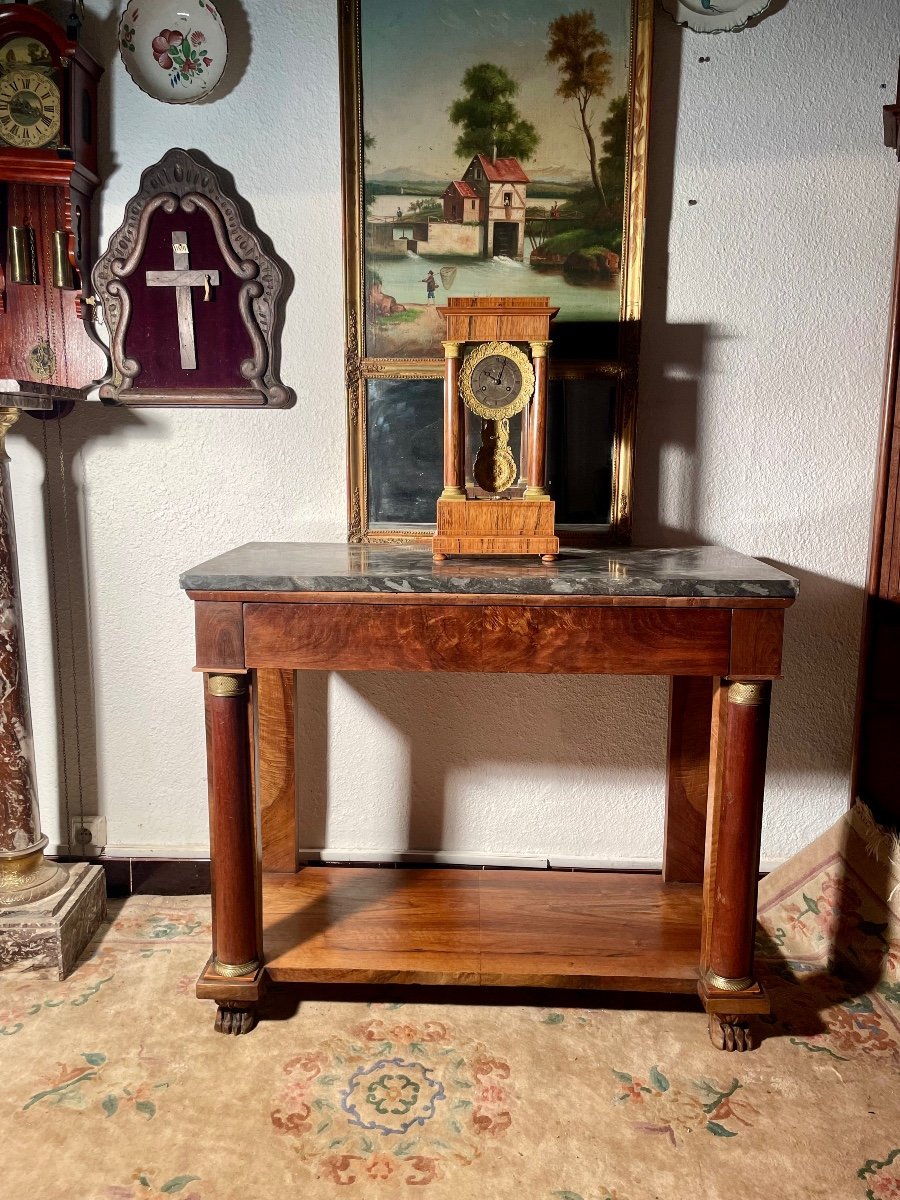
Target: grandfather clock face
{"points": [[30, 102]]}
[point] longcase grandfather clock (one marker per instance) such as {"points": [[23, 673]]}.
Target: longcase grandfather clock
{"points": [[48, 174]]}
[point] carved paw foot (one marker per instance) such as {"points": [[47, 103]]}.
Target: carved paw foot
{"points": [[730, 1033], [232, 1019]]}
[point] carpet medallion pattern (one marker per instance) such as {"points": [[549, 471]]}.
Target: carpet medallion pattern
{"points": [[115, 1085]]}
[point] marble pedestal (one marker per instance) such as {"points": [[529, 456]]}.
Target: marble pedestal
{"points": [[48, 935]]}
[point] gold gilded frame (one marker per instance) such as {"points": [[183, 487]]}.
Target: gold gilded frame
{"points": [[359, 368]]}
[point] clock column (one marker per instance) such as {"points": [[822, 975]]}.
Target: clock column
{"points": [[537, 426], [454, 427]]}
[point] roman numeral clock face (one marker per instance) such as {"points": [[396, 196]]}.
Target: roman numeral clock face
{"points": [[29, 109]]}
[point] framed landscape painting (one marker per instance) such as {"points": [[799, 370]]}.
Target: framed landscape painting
{"points": [[492, 152]]}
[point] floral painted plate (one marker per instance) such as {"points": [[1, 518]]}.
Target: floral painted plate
{"points": [[174, 50], [715, 16]]}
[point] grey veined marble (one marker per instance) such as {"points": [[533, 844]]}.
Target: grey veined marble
{"points": [[703, 571]]}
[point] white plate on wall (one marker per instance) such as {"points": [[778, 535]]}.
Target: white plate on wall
{"points": [[714, 16], [174, 50]]}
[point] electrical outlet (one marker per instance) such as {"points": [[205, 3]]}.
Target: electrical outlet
{"points": [[89, 835]]}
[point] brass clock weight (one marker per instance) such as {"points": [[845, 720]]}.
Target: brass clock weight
{"points": [[48, 174], [495, 357]]}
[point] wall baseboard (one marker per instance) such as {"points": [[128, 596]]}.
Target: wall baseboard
{"points": [[190, 876]]}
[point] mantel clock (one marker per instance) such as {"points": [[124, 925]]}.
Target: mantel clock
{"points": [[496, 370], [48, 174]]}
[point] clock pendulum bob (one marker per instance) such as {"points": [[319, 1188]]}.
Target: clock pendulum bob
{"points": [[495, 468], [495, 380]]}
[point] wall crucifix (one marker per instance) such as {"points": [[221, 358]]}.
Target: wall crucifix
{"points": [[182, 279], [183, 231]]}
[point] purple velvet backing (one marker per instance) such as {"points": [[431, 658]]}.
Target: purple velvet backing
{"points": [[221, 339]]}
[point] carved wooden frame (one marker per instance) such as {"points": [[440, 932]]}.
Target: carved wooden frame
{"points": [[359, 368], [179, 181]]}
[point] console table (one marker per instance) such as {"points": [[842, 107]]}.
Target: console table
{"points": [[708, 618]]}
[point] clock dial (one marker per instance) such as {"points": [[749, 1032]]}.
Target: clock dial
{"points": [[29, 109], [496, 380]]}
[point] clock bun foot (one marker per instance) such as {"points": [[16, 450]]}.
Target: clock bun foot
{"points": [[549, 558], [439, 557]]}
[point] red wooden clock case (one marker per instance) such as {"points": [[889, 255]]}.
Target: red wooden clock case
{"points": [[50, 189]]}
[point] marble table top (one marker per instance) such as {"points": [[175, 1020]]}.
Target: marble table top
{"points": [[701, 571]]}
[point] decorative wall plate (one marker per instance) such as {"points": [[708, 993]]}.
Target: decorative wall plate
{"points": [[174, 50], [714, 16]]}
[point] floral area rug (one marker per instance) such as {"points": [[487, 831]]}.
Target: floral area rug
{"points": [[115, 1086]]}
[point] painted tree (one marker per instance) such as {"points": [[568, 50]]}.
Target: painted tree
{"points": [[580, 52], [488, 119], [614, 129]]}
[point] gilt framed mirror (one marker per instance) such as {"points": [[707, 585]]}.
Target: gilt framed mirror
{"points": [[446, 114]]}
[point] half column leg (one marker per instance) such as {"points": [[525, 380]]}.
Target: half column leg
{"points": [[234, 975], [728, 987]]}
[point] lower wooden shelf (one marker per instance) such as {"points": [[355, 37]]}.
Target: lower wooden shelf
{"points": [[613, 931]]}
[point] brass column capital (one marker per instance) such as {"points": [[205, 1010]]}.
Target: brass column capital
{"points": [[540, 349], [452, 349], [8, 418], [748, 693], [227, 685]]}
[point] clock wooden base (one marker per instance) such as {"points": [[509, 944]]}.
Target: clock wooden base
{"points": [[488, 527]]}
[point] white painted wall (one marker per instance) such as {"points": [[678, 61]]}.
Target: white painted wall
{"points": [[765, 325]]}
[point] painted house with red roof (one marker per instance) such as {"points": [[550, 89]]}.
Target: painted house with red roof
{"points": [[501, 187], [462, 203]]}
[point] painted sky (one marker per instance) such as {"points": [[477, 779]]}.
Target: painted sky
{"points": [[416, 51]]}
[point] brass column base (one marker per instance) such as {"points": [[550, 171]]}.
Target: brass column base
{"points": [[722, 984], [236, 970], [27, 877]]}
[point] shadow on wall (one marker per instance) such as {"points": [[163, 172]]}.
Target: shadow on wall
{"points": [[240, 49], [472, 726], [601, 731], [69, 602], [812, 727]]}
